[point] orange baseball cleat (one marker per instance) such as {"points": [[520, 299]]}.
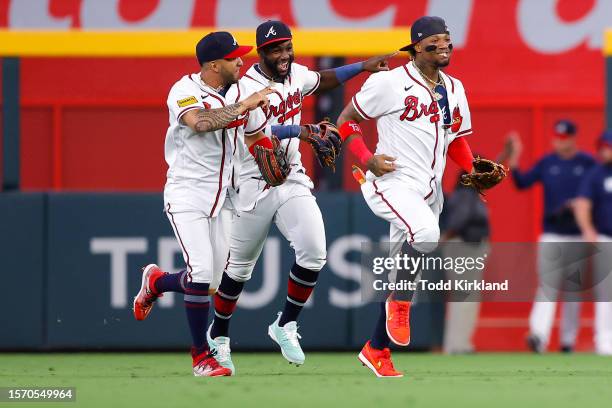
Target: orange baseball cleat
{"points": [[143, 302], [398, 321], [379, 361]]}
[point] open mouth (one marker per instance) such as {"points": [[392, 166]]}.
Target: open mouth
{"points": [[283, 66], [444, 54]]}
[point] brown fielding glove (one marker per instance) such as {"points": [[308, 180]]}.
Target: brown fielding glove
{"points": [[272, 163], [324, 138], [487, 174]]}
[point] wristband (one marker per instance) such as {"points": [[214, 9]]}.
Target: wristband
{"points": [[263, 142], [349, 128], [286, 131], [346, 72]]}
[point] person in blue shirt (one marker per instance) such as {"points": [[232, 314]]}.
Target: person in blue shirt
{"points": [[593, 210], [560, 173]]}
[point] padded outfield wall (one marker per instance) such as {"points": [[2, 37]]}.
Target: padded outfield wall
{"points": [[71, 266]]}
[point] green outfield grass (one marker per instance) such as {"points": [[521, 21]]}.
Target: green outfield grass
{"points": [[327, 379]]}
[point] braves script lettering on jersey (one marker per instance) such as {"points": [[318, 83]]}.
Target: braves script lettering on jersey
{"points": [[285, 108], [411, 128], [291, 205]]}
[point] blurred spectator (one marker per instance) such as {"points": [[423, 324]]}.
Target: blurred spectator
{"points": [[466, 221], [593, 209], [560, 173]]}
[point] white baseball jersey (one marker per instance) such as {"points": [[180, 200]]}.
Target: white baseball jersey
{"points": [[285, 109], [410, 122], [200, 164]]}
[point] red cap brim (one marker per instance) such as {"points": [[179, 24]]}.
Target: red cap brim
{"points": [[274, 40], [239, 52]]}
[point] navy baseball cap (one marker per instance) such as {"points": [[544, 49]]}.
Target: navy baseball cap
{"points": [[605, 139], [218, 45], [565, 128], [272, 31], [425, 27]]}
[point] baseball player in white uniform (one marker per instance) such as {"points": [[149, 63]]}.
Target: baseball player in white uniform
{"points": [[291, 205], [200, 144], [422, 115]]}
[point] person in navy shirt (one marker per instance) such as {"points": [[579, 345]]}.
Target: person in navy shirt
{"points": [[560, 174], [593, 209]]}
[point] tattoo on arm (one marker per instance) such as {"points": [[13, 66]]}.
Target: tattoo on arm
{"points": [[215, 119]]}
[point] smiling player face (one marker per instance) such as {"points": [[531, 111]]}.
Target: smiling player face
{"points": [[440, 56], [277, 58]]}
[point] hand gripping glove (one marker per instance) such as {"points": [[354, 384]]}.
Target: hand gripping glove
{"points": [[324, 138], [272, 163]]}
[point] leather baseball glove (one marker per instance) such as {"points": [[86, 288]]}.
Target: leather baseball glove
{"points": [[487, 174], [272, 163], [324, 138]]}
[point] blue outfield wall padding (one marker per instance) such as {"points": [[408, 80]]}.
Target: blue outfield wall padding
{"points": [[78, 259], [10, 124], [98, 244], [22, 234]]}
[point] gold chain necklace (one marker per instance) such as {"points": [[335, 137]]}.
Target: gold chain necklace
{"points": [[436, 95], [217, 90]]}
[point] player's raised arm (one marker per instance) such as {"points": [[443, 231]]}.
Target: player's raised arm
{"points": [[352, 137], [207, 120], [331, 78]]}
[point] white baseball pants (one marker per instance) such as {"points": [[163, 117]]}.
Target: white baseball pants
{"points": [[295, 211], [413, 216], [204, 242]]}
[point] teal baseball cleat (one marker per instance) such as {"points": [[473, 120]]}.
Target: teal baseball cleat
{"points": [[287, 338], [221, 347]]}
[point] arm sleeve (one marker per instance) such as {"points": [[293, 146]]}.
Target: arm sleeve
{"points": [[182, 99], [527, 179], [459, 151], [376, 96]]}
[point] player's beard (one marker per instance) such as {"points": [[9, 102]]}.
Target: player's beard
{"points": [[272, 67], [443, 64], [228, 77]]}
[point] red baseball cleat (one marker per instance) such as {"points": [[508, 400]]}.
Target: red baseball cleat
{"points": [[205, 365], [143, 302], [398, 321], [379, 361]]}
